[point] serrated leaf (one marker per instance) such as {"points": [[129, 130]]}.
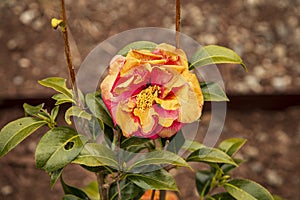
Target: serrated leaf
{"points": [[96, 155], [62, 98], [232, 145], [203, 181], [210, 155], [213, 54], [70, 190], [58, 84], [146, 45], [57, 148], [213, 92], [16, 131], [98, 108], [77, 112], [247, 190], [159, 157], [158, 180]]}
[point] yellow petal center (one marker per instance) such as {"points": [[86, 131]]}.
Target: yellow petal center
{"points": [[146, 97]]}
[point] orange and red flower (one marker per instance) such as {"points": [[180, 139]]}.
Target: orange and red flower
{"points": [[152, 94]]}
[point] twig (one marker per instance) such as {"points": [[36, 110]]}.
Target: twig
{"points": [[152, 194], [178, 9], [102, 189], [67, 51]]}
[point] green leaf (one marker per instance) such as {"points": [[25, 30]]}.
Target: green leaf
{"points": [[54, 176], [176, 142], [247, 190], [146, 45], [70, 197], [131, 142], [16, 131], [158, 180], [213, 54], [98, 108], [227, 167], [92, 190], [210, 155], [203, 181], [57, 148], [62, 98], [95, 155], [213, 92], [95, 127], [192, 145], [77, 112], [232, 145], [73, 190], [222, 196], [58, 84], [159, 157], [33, 110], [129, 191], [54, 113]]}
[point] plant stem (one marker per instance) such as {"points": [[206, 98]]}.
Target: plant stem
{"points": [[178, 10], [162, 195], [152, 194], [102, 189], [68, 52]]}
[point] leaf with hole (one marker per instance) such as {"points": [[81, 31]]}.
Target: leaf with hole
{"points": [[247, 190], [213, 92], [57, 148], [16, 131], [213, 54], [139, 45]]}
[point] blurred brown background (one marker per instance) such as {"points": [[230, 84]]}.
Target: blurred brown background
{"points": [[264, 105]]}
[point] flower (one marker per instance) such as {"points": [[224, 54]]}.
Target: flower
{"points": [[152, 94]]}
